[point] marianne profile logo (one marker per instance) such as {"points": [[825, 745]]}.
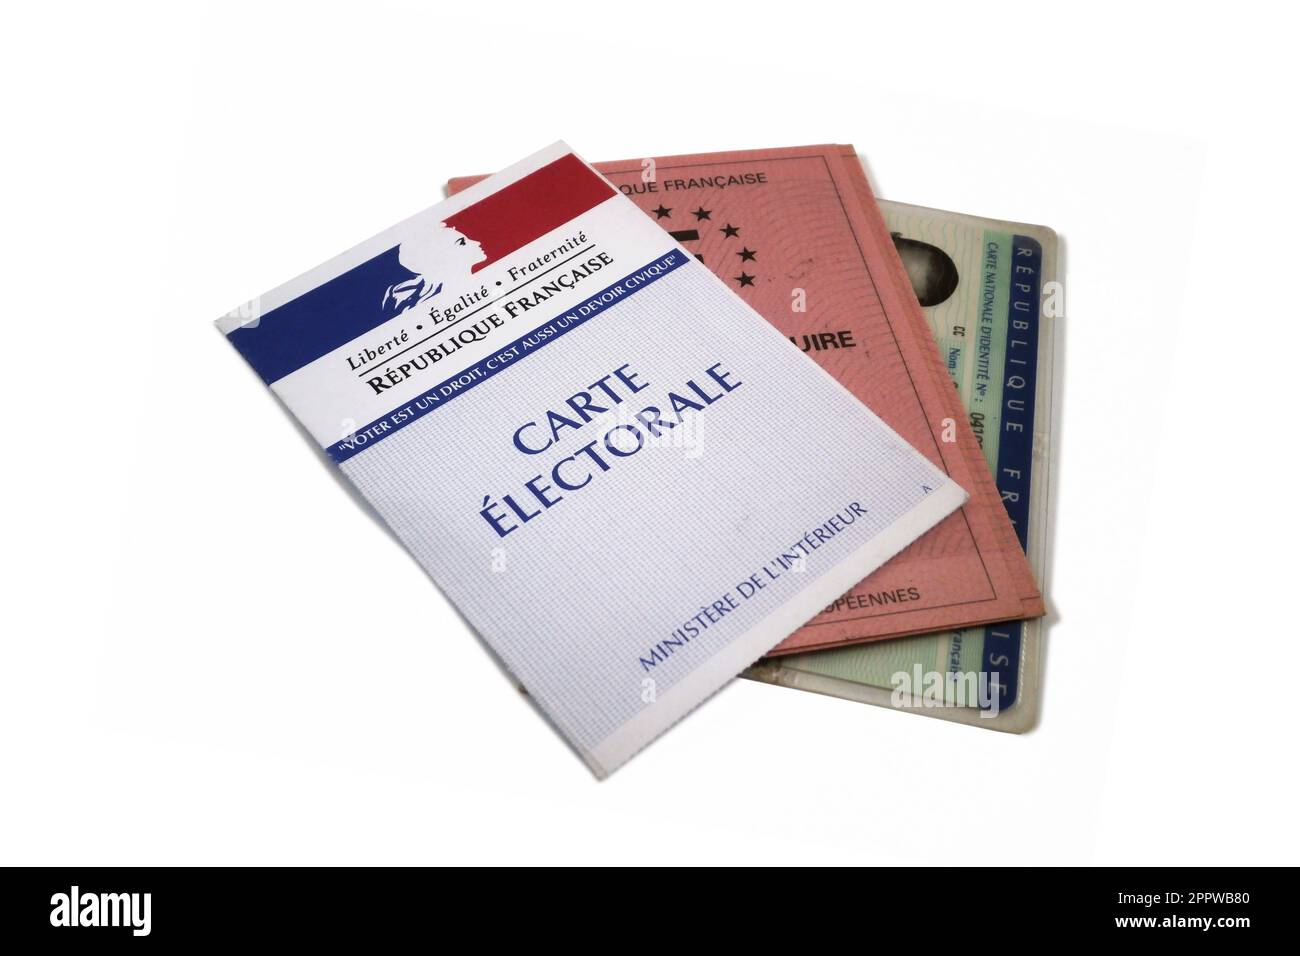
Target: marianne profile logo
{"points": [[444, 252], [122, 910]]}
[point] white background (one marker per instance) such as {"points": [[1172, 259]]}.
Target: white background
{"points": [[212, 654]]}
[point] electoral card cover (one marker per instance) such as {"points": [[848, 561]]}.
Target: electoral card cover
{"points": [[627, 481]]}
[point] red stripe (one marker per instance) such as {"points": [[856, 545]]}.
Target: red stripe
{"points": [[531, 207]]}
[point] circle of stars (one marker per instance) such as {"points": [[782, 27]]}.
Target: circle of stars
{"points": [[729, 231]]}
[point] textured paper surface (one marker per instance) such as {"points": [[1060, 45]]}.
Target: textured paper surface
{"points": [[775, 223], [623, 477]]}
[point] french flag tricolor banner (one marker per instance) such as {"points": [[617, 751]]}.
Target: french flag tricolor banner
{"points": [[398, 278]]}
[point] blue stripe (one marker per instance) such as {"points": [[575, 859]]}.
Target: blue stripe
{"points": [[478, 373], [321, 319], [1016, 452], [1016, 448]]}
